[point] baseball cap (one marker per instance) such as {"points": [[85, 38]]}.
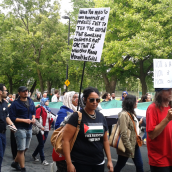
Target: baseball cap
{"points": [[160, 89], [22, 88]]}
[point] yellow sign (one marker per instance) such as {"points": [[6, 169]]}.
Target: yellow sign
{"points": [[67, 83]]}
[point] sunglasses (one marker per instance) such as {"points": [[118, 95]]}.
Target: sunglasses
{"points": [[93, 99], [124, 94]]}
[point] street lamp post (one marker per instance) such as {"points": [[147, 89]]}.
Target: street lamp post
{"points": [[66, 17]]}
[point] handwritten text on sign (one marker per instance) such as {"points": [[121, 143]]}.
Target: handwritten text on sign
{"points": [[90, 34], [162, 73]]}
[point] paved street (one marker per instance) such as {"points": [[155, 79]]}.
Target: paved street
{"points": [[32, 166]]}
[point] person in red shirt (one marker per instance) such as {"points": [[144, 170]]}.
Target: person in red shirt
{"points": [[159, 130]]}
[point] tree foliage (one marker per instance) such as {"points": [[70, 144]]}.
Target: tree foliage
{"points": [[138, 31]]}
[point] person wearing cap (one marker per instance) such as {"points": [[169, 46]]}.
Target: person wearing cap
{"points": [[124, 94], [22, 113], [4, 119], [159, 131]]}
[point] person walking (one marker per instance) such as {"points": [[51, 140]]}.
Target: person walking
{"points": [[124, 94], [113, 96], [55, 97], [4, 120], [22, 113], [38, 97], [107, 98], [70, 102], [61, 97], [159, 131], [130, 143], [13, 139], [44, 116], [144, 98], [87, 154]]}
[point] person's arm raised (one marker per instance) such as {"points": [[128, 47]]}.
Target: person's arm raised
{"points": [[160, 127], [68, 133]]}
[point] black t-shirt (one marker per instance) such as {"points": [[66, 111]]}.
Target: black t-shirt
{"points": [[88, 147], [3, 115]]}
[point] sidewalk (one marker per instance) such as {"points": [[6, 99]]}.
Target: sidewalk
{"points": [[31, 166]]}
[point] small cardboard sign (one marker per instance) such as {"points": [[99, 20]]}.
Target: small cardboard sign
{"points": [[162, 73], [90, 34]]}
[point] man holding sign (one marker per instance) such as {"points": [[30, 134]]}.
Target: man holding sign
{"points": [[159, 128]]}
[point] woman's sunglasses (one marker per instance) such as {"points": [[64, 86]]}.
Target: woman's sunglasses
{"points": [[93, 99]]}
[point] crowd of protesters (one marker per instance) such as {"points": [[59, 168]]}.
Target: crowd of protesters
{"points": [[87, 153]]}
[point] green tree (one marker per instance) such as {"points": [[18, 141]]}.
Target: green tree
{"points": [[42, 36], [138, 31]]}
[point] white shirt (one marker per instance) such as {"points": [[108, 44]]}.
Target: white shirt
{"points": [[136, 124], [54, 98], [61, 98]]}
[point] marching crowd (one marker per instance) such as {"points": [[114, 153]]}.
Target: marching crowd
{"points": [[87, 154]]}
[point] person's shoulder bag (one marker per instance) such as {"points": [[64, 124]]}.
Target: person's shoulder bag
{"points": [[56, 138], [35, 129], [115, 138]]}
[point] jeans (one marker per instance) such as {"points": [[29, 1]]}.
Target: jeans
{"points": [[23, 139], [137, 161], [40, 148], [144, 135], [88, 168], [2, 147], [160, 169]]}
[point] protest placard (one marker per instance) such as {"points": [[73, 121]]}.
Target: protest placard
{"points": [[90, 34], [162, 73]]}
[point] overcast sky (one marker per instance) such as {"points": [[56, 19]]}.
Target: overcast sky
{"points": [[65, 5]]}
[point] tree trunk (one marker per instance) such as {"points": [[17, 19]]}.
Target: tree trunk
{"points": [[49, 84], [11, 84], [110, 85], [40, 81], [33, 87], [143, 78]]}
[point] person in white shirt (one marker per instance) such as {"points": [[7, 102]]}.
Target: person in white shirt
{"points": [[55, 98], [61, 97]]}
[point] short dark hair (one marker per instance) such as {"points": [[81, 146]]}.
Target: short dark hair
{"points": [[64, 92], [56, 91], [129, 103], [143, 98], [2, 87], [87, 91], [105, 95]]}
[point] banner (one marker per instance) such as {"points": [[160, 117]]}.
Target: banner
{"points": [[90, 34], [56, 105], [105, 105], [118, 104], [162, 73]]}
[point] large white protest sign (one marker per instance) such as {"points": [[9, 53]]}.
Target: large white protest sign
{"points": [[90, 34], [162, 73]]}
